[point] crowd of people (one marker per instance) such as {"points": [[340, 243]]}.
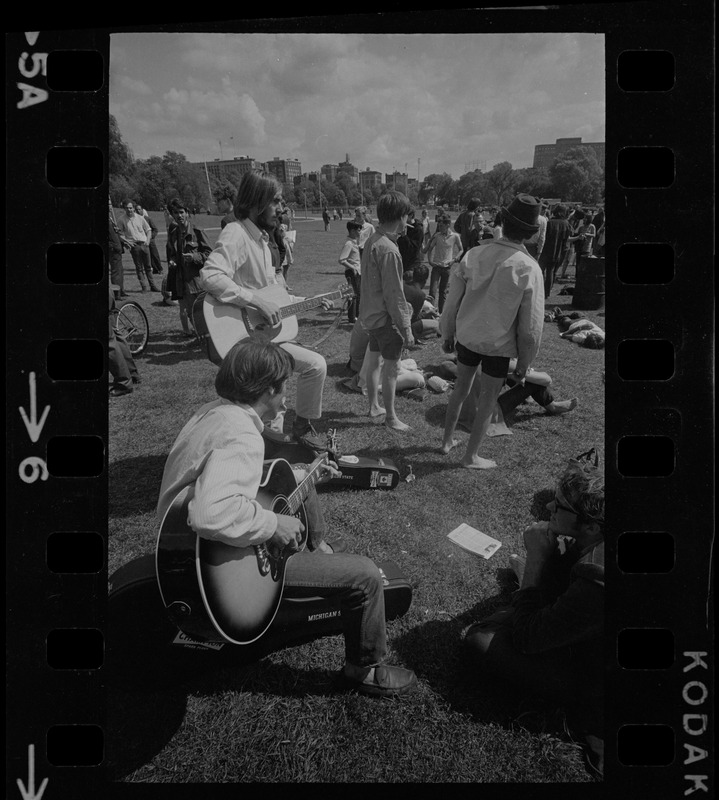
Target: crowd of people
{"points": [[487, 286]]}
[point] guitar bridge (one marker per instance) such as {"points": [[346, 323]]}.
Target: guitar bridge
{"points": [[264, 562]]}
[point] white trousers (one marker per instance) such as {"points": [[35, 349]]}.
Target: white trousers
{"points": [[311, 369]]}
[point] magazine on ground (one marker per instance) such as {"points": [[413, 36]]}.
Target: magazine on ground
{"points": [[474, 541]]}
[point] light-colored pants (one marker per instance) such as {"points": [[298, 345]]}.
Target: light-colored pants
{"points": [[311, 369]]}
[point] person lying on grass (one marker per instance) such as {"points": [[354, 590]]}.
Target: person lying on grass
{"points": [[548, 642], [494, 312], [535, 385], [220, 452]]}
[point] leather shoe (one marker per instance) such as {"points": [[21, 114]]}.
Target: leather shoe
{"points": [[309, 437], [387, 682], [118, 391]]}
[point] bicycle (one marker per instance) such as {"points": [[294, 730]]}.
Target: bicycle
{"points": [[131, 324]]}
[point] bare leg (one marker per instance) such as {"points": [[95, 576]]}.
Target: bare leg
{"points": [[389, 390], [462, 388], [374, 367], [489, 389], [557, 407]]}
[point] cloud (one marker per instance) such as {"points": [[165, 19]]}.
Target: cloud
{"points": [[133, 85]]}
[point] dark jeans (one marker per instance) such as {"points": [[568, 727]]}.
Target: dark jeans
{"points": [[116, 272], [519, 392], [121, 364], [438, 283], [549, 268], [141, 258], [358, 583], [354, 281], [155, 258]]}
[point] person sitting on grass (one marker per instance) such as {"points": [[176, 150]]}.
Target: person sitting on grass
{"points": [[494, 312], [384, 313], [220, 452], [535, 385], [549, 641]]}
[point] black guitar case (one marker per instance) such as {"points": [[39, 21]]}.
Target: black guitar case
{"points": [[357, 472], [144, 648]]}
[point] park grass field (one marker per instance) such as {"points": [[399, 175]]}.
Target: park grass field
{"points": [[280, 719]]}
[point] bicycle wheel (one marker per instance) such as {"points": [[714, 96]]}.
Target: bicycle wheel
{"points": [[132, 325]]}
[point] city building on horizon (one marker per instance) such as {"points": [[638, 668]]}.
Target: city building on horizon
{"points": [[544, 154], [285, 169], [222, 168]]}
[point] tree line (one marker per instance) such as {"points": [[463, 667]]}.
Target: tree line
{"points": [[575, 176]]}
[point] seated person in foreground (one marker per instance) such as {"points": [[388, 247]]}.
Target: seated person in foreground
{"points": [[548, 642], [220, 452]]}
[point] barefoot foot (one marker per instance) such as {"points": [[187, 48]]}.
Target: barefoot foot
{"points": [[561, 406], [446, 447], [377, 411], [395, 424], [479, 463]]}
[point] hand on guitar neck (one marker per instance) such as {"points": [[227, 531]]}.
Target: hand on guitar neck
{"points": [[271, 311]]}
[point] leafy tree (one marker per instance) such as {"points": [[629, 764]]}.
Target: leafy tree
{"points": [[501, 180], [473, 184], [534, 181], [577, 176], [120, 190], [121, 160], [443, 187]]}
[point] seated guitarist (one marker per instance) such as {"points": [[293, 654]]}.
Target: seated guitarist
{"points": [[240, 264], [220, 451]]}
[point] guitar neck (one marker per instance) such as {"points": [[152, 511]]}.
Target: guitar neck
{"points": [[303, 488], [306, 305]]}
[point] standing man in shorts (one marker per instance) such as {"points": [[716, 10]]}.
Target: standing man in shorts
{"points": [[494, 312], [384, 313]]}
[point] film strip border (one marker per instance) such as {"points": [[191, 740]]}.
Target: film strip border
{"points": [[659, 657]]}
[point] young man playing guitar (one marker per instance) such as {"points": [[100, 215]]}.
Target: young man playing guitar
{"points": [[240, 265], [219, 453]]}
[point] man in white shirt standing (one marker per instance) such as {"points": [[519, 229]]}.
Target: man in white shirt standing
{"points": [[367, 228], [535, 245], [240, 265], [136, 234]]}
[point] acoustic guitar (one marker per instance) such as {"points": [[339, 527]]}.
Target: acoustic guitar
{"points": [[228, 324], [214, 591]]}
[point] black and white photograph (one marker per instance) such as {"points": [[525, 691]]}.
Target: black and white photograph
{"points": [[323, 499]]}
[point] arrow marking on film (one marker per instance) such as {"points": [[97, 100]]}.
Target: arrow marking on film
{"points": [[29, 793], [33, 426]]}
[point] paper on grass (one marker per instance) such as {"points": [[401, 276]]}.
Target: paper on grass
{"points": [[474, 541]]}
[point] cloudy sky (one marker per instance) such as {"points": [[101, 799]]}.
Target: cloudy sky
{"points": [[449, 100]]}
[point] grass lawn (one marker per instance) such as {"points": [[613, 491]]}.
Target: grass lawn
{"points": [[279, 719]]}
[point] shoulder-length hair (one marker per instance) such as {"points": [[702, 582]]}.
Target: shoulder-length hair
{"points": [[250, 368], [256, 191]]}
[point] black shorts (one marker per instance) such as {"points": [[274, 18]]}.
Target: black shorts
{"points": [[494, 366], [387, 341]]}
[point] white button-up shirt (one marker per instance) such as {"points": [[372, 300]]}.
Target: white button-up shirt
{"points": [[240, 263]]}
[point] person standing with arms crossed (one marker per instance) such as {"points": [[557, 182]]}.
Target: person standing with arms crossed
{"points": [[384, 312]]}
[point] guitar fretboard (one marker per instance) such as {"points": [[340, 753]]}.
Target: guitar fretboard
{"points": [[306, 305], [303, 488]]}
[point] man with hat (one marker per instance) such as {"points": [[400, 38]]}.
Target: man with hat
{"points": [[494, 312]]}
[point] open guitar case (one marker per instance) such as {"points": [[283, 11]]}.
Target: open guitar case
{"points": [[145, 648]]}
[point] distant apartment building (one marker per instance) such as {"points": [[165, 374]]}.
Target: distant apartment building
{"points": [[222, 168], [329, 172], [349, 169], [285, 169], [368, 179], [396, 180], [544, 154]]}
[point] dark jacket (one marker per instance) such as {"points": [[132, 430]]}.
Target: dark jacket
{"points": [[189, 255]]}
